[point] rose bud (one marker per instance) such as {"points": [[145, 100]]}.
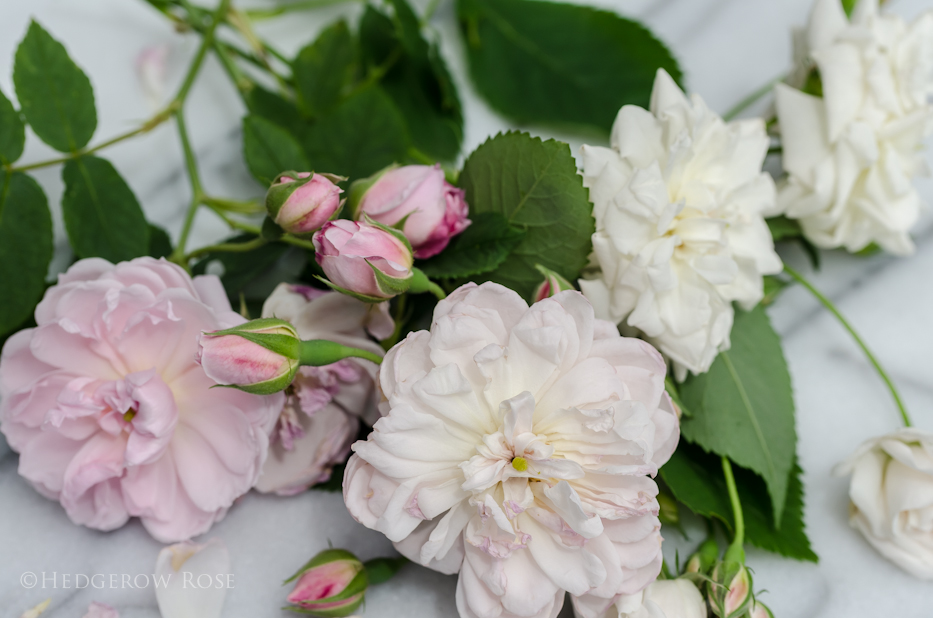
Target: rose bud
{"points": [[259, 357], [730, 592], [368, 261], [704, 558], [301, 202], [759, 610], [331, 584], [677, 598], [430, 209], [552, 284]]}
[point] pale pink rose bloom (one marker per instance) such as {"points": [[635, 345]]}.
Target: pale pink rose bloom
{"points": [[101, 610], [436, 210], [110, 412], [321, 417], [347, 249], [310, 205], [517, 449]]}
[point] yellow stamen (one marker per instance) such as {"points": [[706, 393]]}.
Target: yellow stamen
{"points": [[520, 464], [129, 415]]}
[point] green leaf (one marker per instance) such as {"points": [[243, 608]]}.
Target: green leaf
{"points": [[25, 247], [533, 184], [55, 95], [743, 407], [102, 216], [325, 69], [417, 81], [696, 480], [783, 228], [409, 29], [12, 132], [270, 150], [274, 108], [381, 570], [362, 135], [160, 243], [560, 64], [848, 6], [482, 247]]}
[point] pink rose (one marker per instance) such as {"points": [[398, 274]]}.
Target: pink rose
{"points": [[321, 417], [350, 254], [110, 412], [302, 205], [435, 209]]}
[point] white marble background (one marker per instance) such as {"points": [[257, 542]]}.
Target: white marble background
{"points": [[727, 48]]}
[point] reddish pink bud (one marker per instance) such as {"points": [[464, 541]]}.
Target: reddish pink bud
{"points": [[435, 209], [331, 584], [259, 357]]}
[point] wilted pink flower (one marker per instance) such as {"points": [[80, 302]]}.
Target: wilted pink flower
{"points": [[302, 205], [110, 412], [321, 415], [435, 209], [101, 610], [350, 252]]}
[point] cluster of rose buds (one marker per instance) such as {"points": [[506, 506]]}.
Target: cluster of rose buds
{"points": [[728, 583], [401, 213]]}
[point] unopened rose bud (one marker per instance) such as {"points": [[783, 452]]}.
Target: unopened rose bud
{"points": [[552, 284], [259, 357], [332, 584], [301, 202], [759, 610], [730, 592], [368, 261], [432, 209]]}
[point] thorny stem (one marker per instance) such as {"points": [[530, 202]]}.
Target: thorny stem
{"points": [[845, 323]]}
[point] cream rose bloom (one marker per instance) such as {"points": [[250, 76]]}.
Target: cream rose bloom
{"points": [[680, 233], [664, 598], [891, 494], [852, 154], [516, 449]]}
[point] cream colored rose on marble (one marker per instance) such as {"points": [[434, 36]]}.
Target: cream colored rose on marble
{"points": [[680, 234], [891, 493], [851, 155], [517, 448], [665, 598]]}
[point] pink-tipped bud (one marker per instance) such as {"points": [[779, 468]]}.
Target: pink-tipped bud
{"points": [[259, 357], [300, 203], [552, 284], [759, 610], [369, 261], [730, 592], [434, 211], [332, 584]]}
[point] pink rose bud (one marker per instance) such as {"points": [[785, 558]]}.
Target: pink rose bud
{"points": [[366, 260], [432, 209], [259, 357], [331, 584], [759, 610], [300, 203], [552, 284], [730, 592]]}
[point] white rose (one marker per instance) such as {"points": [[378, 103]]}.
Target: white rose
{"points": [[852, 154], [664, 598], [518, 449], [892, 497], [680, 233]]}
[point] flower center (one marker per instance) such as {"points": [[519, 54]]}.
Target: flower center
{"points": [[520, 464], [129, 415]]}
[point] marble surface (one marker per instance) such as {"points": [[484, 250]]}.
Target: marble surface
{"points": [[727, 48]]}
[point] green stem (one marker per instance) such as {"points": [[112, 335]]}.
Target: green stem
{"points": [[298, 242], [301, 5], [430, 10], [147, 126], [420, 283], [320, 352], [752, 98], [218, 203], [227, 247], [197, 192], [871, 357], [738, 540]]}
